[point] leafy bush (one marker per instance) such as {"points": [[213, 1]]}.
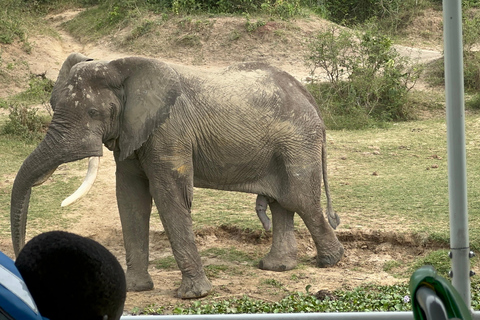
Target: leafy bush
{"points": [[25, 123], [352, 12], [11, 27], [39, 91], [283, 8], [367, 78], [473, 102], [471, 57]]}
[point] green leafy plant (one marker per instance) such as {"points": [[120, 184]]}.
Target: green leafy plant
{"points": [[38, 92], [285, 9], [26, 123], [361, 299], [368, 79]]}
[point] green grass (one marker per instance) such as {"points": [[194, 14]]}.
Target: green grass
{"points": [[230, 255], [45, 211], [400, 175], [166, 263], [213, 208]]}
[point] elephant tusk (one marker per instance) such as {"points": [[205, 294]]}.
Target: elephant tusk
{"points": [[93, 163]]}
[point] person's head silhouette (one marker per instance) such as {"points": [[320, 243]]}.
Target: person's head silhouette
{"points": [[72, 277]]}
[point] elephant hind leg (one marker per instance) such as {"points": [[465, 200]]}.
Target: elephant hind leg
{"points": [[283, 254], [329, 249]]}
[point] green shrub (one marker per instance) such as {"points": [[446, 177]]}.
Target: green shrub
{"points": [[368, 80], [284, 9], [471, 57], [471, 70], [352, 12], [25, 123], [11, 27], [474, 102], [38, 92], [216, 6]]}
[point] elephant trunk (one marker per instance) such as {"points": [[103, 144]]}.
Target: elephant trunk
{"points": [[38, 166]]}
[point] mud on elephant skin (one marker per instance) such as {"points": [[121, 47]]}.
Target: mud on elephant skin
{"points": [[249, 128]]}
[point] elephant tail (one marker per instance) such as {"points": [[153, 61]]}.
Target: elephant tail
{"points": [[332, 216]]}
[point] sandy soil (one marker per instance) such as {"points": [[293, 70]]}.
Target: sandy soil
{"points": [[366, 250]]}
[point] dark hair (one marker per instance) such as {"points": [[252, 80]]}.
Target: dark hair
{"points": [[72, 277]]}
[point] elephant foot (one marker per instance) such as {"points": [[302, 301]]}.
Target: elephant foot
{"points": [[277, 263], [331, 258], [137, 282], [194, 288]]}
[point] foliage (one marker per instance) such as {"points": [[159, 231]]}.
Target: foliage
{"points": [[362, 299], [352, 12], [474, 102], [368, 79], [284, 9], [25, 123], [435, 74], [38, 92], [471, 57], [11, 27]]}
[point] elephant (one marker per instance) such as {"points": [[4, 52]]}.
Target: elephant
{"points": [[249, 128], [72, 277]]}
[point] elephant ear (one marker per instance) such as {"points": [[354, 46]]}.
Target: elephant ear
{"points": [[150, 89], [72, 60]]}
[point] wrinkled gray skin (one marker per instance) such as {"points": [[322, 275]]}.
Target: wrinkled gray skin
{"points": [[250, 128]]}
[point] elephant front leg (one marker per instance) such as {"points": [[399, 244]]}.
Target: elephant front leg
{"points": [[173, 196], [283, 254], [135, 206]]}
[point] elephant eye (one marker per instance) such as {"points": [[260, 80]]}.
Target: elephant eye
{"points": [[93, 113]]}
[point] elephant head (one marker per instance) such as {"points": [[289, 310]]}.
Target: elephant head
{"points": [[94, 103]]}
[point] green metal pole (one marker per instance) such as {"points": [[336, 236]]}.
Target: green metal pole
{"points": [[457, 173]]}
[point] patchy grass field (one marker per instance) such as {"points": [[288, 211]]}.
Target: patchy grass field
{"points": [[389, 187]]}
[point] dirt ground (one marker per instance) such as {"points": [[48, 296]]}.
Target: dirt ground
{"points": [[366, 250]]}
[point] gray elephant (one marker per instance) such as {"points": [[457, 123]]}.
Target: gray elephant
{"points": [[249, 128]]}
